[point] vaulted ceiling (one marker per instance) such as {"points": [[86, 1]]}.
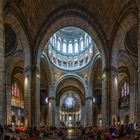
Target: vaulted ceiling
{"points": [[34, 14]]}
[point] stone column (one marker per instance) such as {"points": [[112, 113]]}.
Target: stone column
{"points": [[35, 95], [2, 67], [138, 101], [8, 102], [133, 93], [57, 116], [27, 95], [51, 111], [89, 111], [105, 98], [114, 96]]}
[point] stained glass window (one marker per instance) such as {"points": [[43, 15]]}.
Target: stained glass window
{"points": [[124, 99], [69, 102], [125, 89], [15, 89], [16, 99]]}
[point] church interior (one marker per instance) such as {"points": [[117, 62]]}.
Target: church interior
{"points": [[70, 63]]}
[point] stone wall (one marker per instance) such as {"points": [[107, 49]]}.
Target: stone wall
{"points": [[2, 68], [138, 100]]}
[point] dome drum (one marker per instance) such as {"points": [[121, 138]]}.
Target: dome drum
{"points": [[70, 53]]}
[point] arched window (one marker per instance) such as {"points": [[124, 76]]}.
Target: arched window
{"points": [[15, 89], [58, 45], [64, 48], [87, 40], [76, 47], [17, 97], [82, 44], [53, 41], [76, 62], [124, 95], [125, 89], [70, 49]]}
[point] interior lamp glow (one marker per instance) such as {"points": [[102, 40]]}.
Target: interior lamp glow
{"points": [[93, 99], [70, 118], [46, 100]]}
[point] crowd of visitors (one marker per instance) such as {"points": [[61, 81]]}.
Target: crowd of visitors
{"points": [[108, 133]]}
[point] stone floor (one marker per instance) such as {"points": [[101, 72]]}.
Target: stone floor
{"points": [[72, 138]]}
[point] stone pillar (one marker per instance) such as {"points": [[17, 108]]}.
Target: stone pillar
{"points": [[105, 99], [27, 96], [82, 119], [114, 96], [89, 111], [51, 112], [138, 101], [8, 102], [94, 115], [2, 67], [133, 93], [35, 95], [57, 116]]}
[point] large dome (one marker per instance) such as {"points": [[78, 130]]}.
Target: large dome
{"points": [[70, 48]]}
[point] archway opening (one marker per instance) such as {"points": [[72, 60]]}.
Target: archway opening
{"points": [[70, 109]]}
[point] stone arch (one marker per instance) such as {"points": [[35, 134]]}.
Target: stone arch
{"points": [[70, 82], [124, 75], [69, 16], [73, 77], [61, 92], [127, 71], [21, 35], [24, 47], [96, 62], [11, 64], [128, 22], [96, 87], [18, 56], [126, 61], [47, 69]]}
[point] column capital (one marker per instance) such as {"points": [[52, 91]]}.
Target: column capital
{"points": [[32, 67], [27, 68]]}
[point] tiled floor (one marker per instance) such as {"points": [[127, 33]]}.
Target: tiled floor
{"points": [[72, 138]]}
